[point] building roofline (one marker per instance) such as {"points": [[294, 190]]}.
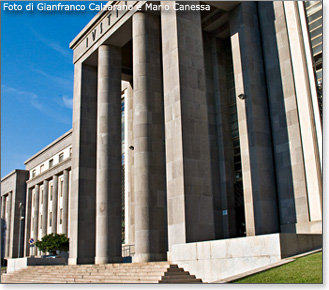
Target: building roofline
{"points": [[86, 29], [49, 146], [12, 173]]}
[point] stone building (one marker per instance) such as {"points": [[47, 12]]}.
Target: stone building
{"points": [[13, 190], [221, 133], [47, 194]]}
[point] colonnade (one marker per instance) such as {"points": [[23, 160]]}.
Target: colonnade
{"points": [[6, 210], [42, 209], [173, 183], [186, 94]]}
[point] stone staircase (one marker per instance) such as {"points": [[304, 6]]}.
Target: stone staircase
{"points": [[154, 272]]}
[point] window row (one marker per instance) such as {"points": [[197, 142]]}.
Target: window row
{"points": [[51, 163], [50, 219]]}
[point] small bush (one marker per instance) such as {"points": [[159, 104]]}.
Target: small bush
{"points": [[52, 243]]}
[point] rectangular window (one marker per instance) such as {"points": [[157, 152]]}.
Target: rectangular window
{"points": [[40, 222], [61, 157], [50, 218], [34, 173], [42, 168], [41, 197], [70, 151], [51, 163], [51, 192], [61, 216], [61, 187]]}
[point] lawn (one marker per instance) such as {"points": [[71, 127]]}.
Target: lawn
{"points": [[307, 269]]}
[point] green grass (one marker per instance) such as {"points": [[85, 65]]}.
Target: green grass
{"points": [[307, 269]]}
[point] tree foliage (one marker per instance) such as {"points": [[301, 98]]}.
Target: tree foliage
{"points": [[53, 242]]}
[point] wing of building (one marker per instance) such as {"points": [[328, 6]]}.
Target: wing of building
{"points": [[189, 126]]}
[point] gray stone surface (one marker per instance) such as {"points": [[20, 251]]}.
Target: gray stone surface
{"points": [[35, 219], [45, 209], [65, 201], [3, 207], [28, 212], [148, 126], [9, 236], [83, 195], [189, 193], [21, 263], [13, 185], [48, 174], [254, 128], [220, 259], [286, 132], [305, 112], [54, 205], [108, 179]]}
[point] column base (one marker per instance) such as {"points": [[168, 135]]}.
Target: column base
{"points": [[107, 260], [143, 258], [72, 261]]}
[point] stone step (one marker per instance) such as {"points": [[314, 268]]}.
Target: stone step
{"points": [[117, 270], [87, 276], [51, 268], [69, 276], [174, 274], [171, 273], [78, 280], [82, 279], [128, 265], [179, 277], [181, 281], [139, 266], [153, 272], [123, 272]]}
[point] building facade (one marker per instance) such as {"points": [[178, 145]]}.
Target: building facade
{"points": [[215, 115], [13, 189], [48, 191]]}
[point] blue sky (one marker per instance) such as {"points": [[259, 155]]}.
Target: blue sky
{"points": [[36, 80]]}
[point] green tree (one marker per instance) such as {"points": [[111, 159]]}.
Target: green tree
{"points": [[53, 242]]}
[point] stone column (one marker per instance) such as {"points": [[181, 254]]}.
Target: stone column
{"points": [[83, 191], [65, 201], [148, 126], [54, 204], [305, 112], [28, 213], [35, 216], [189, 188], [3, 207], [3, 220], [8, 224], [259, 187], [45, 208], [108, 179], [287, 142]]}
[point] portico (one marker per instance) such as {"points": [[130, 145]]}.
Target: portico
{"points": [[200, 163]]}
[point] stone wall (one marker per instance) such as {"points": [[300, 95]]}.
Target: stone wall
{"points": [[215, 260]]}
